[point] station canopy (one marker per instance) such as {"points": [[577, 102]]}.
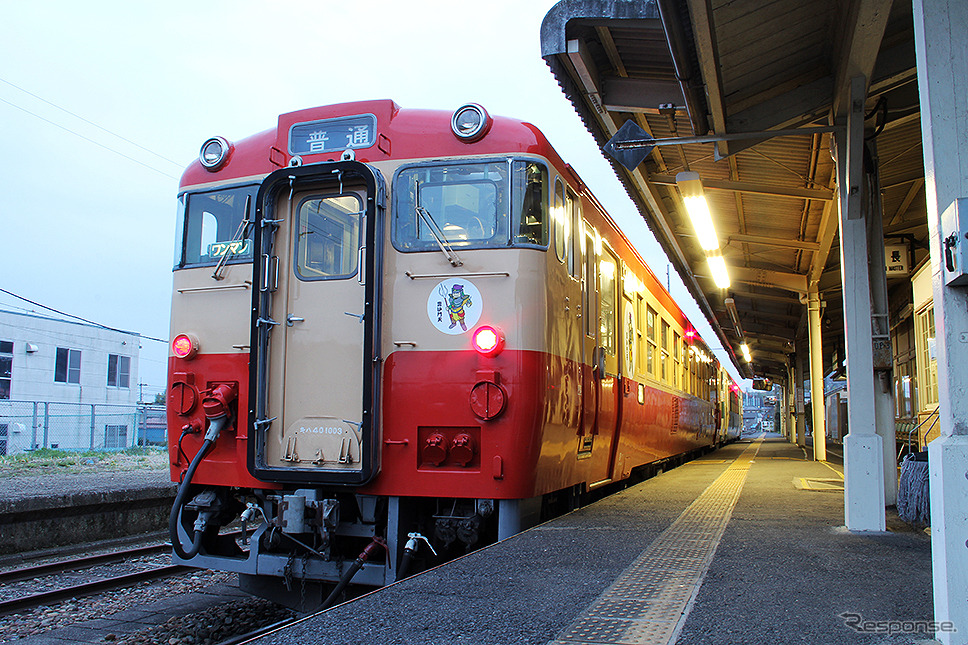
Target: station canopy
{"points": [[742, 73]]}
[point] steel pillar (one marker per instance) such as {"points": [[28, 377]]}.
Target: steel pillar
{"points": [[791, 403], [881, 330], [863, 448], [817, 402], [942, 59], [801, 432]]}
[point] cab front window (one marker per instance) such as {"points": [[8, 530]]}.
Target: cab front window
{"points": [[472, 205], [213, 227]]}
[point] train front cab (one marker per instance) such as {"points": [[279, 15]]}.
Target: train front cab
{"points": [[324, 368]]}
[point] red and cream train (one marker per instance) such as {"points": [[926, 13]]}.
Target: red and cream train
{"points": [[401, 332]]}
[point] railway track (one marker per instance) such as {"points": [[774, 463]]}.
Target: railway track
{"points": [[50, 568], [256, 634], [29, 601]]}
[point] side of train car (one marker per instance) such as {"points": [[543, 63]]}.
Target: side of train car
{"points": [[397, 333]]}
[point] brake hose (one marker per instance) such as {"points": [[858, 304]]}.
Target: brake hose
{"points": [[215, 426]]}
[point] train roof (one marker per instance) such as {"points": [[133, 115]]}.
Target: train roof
{"points": [[401, 134]]}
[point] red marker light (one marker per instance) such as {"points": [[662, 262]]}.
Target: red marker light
{"points": [[488, 341], [184, 346]]}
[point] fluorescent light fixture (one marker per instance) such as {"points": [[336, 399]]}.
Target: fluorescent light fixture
{"points": [[734, 315], [690, 187], [717, 265], [746, 352]]}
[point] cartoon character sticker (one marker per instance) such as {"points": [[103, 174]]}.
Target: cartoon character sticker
{"points": [[454, 306]]}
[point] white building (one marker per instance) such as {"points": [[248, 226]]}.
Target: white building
{"points": [[65, 384]]}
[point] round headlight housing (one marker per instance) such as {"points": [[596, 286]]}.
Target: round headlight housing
{"points": [[488, 341], [214, 153], [184, 346], [470, 122]]}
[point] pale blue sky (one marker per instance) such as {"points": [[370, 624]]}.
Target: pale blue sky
{"points": [[90, 231]]}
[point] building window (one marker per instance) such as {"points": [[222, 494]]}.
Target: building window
{"points": [[905, 370], [115, 436], [927, 359], [67, 368], [119, 370], [6, 368]]}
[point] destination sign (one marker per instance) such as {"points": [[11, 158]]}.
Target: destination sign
{"points": [[329, 135]]}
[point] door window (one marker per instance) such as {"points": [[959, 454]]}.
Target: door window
{"points": [[590, 304], [562, 223], [328, 237], [609, 328]]}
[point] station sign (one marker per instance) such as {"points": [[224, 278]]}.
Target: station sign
{"points": [[896, 260]]}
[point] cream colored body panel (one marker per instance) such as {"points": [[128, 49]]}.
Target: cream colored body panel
{"points": [[216, 312], [511, 284]]}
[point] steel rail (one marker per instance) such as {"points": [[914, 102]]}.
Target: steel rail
{"points": [[88, 588], [255, 634], [50, 568]]}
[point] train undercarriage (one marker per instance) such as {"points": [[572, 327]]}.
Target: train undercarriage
{"points": [[309, 540]]}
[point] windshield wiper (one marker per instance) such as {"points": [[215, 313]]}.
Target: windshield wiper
{"points": [[240, 236], [439, 236], [436, 231]]}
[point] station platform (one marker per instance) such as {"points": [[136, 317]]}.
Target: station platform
{"points": [[745, 545], [40, 512]]}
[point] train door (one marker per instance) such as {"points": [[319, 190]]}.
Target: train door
{"points": [[565, 333], [316, 399], [610, 378], [591, 356]]}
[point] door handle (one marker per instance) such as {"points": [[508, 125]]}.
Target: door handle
{"points": [[290, 320]]}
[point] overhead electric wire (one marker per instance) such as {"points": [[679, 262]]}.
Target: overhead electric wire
{"points": [[89, 122], [97, 143], [90, 322]]}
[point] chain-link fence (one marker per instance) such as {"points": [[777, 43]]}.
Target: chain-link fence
{"points": [[31, 425]]}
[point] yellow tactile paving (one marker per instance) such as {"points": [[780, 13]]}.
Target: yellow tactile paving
{"points": [[649, 602]]}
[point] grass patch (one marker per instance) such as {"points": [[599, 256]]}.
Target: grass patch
{"points": [[46, 460]]}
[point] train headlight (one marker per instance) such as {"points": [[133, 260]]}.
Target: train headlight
{"points": [[470, 122], [488, 341], [214, 153], [184, 346]]}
